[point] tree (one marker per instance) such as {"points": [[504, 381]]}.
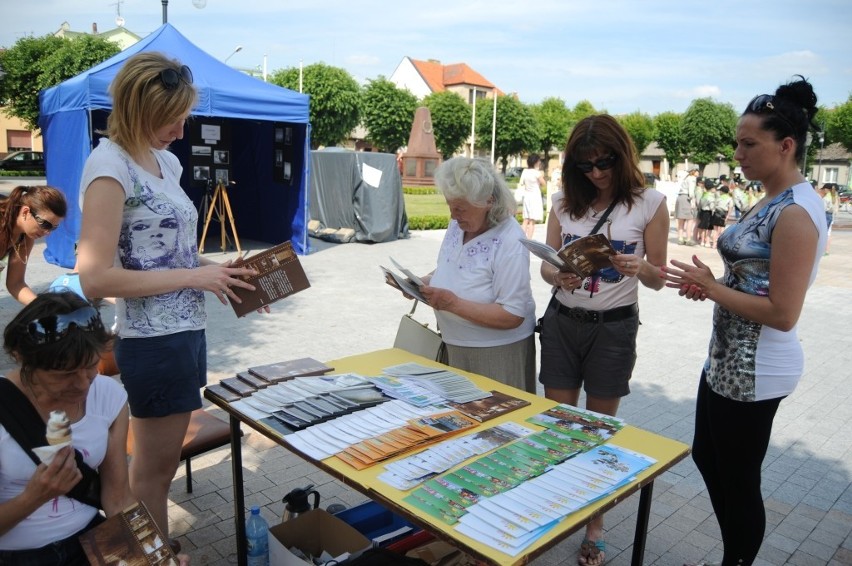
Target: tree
{"points": [[838, 125], [581, 110], [450, 121], [553, 121], [708, 129], [36, 63], [386, 113], [515, 127], [641, 129], [667, 126], [335, 100]]}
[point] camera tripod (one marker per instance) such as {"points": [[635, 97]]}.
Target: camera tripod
{"points": [[217, 202]]}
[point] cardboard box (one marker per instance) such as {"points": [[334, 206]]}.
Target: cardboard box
{"points": [[312, 533]]}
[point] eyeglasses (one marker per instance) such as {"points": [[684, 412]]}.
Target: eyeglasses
{"points": [[171, 78], [601, 164], [765, 104], [52, 328], [44, 224]]}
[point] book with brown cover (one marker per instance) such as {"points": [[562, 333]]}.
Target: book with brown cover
{"points": [[490, 407], [279, 275], [129, 538], [584, 256], [282, 371]]}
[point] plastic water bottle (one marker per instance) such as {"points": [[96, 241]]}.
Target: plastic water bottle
{"points": [[257, 537]]}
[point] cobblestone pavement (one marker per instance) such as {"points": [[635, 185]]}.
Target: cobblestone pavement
{"points": [[349, 310]]}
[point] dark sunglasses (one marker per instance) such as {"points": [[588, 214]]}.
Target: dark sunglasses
{"points": [[601, 164], [44, 224], [50, 329], [171, 78]]}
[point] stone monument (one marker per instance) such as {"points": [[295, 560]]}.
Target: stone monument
{"points": [[422, 158]]}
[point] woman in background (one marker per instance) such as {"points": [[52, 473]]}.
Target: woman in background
{"points": [[831, 203], [588, 337], [481, 289], [531, 182], [28, 214], [138, 244], [755, 358]]}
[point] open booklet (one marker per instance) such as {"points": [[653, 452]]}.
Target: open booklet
{"points": [[408, 283], [279, 275], [583, 256]]}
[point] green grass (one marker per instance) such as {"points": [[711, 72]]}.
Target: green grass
{"points": [[426, 205]]}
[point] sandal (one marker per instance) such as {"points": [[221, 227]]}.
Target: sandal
{"points": [[592, 553]]}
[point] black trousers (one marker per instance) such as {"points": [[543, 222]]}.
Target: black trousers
{"points": [[731, 438]]}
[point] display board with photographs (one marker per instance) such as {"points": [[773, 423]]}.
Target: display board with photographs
{"points": [[287, 140], [210, 152]]}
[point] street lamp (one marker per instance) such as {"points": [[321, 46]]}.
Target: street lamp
{"points": [[236, 50], [821, 147]]}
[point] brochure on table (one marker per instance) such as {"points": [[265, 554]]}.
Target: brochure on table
{"points": [[369, 481]]}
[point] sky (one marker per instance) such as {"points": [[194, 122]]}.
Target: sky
{"points": [[622, 56]]}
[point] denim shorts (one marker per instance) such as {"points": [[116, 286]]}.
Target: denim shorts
{"points": [[599, 356], [163, 375]]}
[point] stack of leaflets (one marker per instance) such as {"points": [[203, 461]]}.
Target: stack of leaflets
{"points": [[409, 472], [415, 433], [406, 390], [512, 520], [449, 385], [326, 439], [581, 424]]}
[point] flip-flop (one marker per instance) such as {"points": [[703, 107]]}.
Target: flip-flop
{"points": [[591, 549]]}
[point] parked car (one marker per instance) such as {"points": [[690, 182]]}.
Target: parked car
{"points": [[23, 161]]}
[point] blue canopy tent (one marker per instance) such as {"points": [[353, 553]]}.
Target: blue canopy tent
{"points": [[268, 172]]}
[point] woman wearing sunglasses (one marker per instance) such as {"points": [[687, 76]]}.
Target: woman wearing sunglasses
{"points": [[588, 335], [138, 244], [28, 214], [57, 341], [755, 359]]}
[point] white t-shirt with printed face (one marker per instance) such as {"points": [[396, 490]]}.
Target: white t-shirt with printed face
{"points": [[158, 232]]}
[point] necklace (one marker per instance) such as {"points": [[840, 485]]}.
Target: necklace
{"points": [[17, 247]]}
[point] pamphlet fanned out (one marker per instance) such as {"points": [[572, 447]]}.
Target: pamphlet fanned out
{"points": [[279, 275], [408, 282], [583, 257]]}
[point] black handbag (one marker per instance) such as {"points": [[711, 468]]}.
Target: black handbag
{"points": [[23, 423]]}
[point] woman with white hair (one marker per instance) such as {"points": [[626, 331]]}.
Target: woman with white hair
{"points": [[480, 289]]}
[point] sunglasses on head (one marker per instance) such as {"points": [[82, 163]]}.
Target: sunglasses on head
{"points": [[171, 78], [765, 104], [44, 224], [601, 164], [52, 328]]}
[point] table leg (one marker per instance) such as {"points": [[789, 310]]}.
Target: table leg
{"points": [[239, 494], [642, 519]]}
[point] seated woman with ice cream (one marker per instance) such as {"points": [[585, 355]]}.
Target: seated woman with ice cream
{"points": [[57, 341]]}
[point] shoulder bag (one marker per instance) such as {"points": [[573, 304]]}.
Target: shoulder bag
{"points": [[416, 337]]}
